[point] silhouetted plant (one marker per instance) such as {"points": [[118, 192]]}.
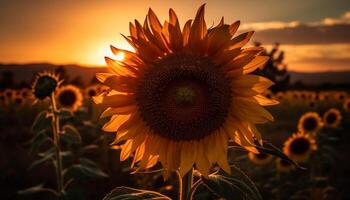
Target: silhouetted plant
{"points": [[275, 69]]}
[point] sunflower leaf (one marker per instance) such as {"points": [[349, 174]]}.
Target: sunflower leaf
{"points": [[276, 152], [128, 193], [71, 135], [45, 156], [85, 168], [227, 187], [42, 121], [65, 113], [36, 189], [38, 140]]}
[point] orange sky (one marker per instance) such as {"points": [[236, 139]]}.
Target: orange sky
{"points": [[80, 32]]}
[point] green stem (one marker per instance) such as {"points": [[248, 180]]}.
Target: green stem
{"points": [[56, 139], [187, 182]]}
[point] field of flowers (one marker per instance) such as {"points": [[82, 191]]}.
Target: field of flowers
{"points": [[188, 114], [91, 166]]}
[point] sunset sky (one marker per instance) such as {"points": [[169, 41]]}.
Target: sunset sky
{"points": [[315, 34]]}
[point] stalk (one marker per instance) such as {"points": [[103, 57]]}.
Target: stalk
{"points": [[56, 139]]}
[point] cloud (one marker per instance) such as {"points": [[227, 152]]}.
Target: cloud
{"points": [[315, 58], [257, 26], [325, 31]]}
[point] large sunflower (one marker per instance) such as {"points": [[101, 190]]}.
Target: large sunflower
{"points": [[310, 122], [183, 94], [332, 118], [299, 146]]}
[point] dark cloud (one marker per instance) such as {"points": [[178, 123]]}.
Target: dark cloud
{"points": [[306, 34]]}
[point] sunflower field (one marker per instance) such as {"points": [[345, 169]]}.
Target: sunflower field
{"points": [[191, 114]]}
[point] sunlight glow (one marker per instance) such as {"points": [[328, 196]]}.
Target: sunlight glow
{"points": [[120, 56]]}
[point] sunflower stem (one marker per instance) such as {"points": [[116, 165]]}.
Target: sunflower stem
{"points": [[187, 182], [56, 139]]}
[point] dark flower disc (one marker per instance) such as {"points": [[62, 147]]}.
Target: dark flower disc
{"points": [[67, 98], [299, 146], [184, 97]]}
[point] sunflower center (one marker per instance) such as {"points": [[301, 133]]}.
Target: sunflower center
{"points": [[331, 118], [310, 124], [184, 97], [300, 146], [67, 98]]}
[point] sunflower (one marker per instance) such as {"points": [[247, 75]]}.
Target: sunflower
{"points": [[310, 122], [18, 100], [260, 158], [9, 93], [91, 91], [280, 96], [69, 96], [346, 104], [45, 84], [312, 103], [340, 96], [25, 93], [332, 118], [299, 146], [284, 166], [3, 99], [183, 94]]}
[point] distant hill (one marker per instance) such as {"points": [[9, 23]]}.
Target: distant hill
{"points": [[26, 72], [320, 78]]}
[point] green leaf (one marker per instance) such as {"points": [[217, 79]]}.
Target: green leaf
{"points": [[228, 186], [44, 157], [71, 134], [276, 152], [64, 113], [127, 193], [247, 180], [36, 189], [221, 187], [42, 121], [38, 140], [86, 168]]}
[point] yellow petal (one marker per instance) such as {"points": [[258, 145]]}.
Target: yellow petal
{"points": [[188, 156], [175, 31], [264, 101], [124, 110], [138, 154], [119, 83], [186, 32], [120, 68], [198, 31], [234, 27], [202, 162], [250, 85], [173, 156], [248, 67], [240, 40], [126, 150], [250, 111], [116, 100], [115, 122]]}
